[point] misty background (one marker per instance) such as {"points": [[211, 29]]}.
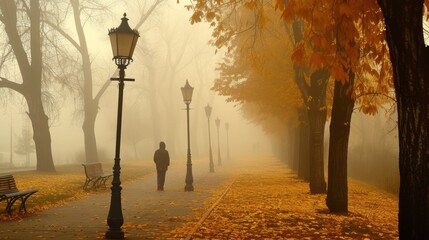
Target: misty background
{"points": [[170, 51]]}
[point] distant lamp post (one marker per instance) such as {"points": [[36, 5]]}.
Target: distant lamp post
{"points": [[227, 141], [11, 146], [208, 109], [123, 40], [187, 91], [219, 160]]}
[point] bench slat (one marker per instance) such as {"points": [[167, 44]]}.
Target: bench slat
{"points": [[21, 193]]}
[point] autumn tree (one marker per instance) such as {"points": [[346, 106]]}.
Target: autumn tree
{"points": [[26, 43], [409, 56], [349, 36], [328, 43], [312, 84]]}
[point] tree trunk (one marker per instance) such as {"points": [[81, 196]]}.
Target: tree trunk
{"points": [[31, 72], [39, 120], [410, 56], [304, 142], [90, 104], [314, 96], [154, 109], [342, 109], [295, 161], [316, 106], [317, 119], [88, 127], [41, 134]]}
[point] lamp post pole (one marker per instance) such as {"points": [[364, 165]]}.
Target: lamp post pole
{"points": [[187, 98], [208, 109], [227, 141], [11, 147], [115, 219], [120, 40], [189, 178], [219, 160]]}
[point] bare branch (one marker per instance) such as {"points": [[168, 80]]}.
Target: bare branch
{"points": [[64, 34], [5, 83], [146, 15], [101, 91], [375, 94]]}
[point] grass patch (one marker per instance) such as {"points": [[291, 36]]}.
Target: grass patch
{"points": [[65, 185]]}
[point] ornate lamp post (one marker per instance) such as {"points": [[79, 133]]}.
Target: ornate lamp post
{"points": [[227, 141], [208, 109], [123, 40], [219, 161], [187, 98]]}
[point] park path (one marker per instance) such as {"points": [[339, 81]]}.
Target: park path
{"points": [[266, 200], [148, 214], [256, 197]]}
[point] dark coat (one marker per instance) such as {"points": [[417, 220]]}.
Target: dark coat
{"points": [[162, 159]]}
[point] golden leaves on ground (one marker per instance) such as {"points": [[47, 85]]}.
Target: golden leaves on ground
{"points": [[65, 185], [272, 203]]}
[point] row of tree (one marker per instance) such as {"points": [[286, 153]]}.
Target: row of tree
{"points": [[281, 57], [48, 42], [73, 76]]}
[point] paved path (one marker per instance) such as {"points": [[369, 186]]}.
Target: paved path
{"points": [[147, 212]]}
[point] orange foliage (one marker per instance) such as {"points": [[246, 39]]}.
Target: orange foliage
{"points": [[345, 36], [341, 36], [256, 71]]}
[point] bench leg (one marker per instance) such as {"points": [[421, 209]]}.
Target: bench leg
{"points": [[85, 185], [89, 183], [104, 181], [23, 200], [10, 203], [98, 182]]}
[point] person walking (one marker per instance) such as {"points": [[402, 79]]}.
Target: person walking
{"points": [[162, 161]]}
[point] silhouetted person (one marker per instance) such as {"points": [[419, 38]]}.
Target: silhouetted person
{"points": [[162, 161]]}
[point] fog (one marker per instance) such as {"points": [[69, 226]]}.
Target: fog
{"points": [[170, 51]]}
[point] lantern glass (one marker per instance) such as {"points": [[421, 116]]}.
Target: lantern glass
{"points": [[217, 122], [208, 109], [123, 40], [187, 91]]}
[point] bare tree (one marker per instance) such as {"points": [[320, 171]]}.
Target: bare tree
{"points": [[21, 40], [82, 12], [90, 102]]}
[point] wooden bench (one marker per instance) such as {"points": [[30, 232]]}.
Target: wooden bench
{"points": [[95, 177], [10, 194]]}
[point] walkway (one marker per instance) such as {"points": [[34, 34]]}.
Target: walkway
{"points": [[148, 214]]}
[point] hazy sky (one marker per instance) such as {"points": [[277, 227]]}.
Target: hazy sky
{"points": [[169, 22]]}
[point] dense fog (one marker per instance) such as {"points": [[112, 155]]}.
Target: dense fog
{"points": [[170, 51]]}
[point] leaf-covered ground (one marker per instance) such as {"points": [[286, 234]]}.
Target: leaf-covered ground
{"points": [[265, 201], [271, 203], [65, 185]]}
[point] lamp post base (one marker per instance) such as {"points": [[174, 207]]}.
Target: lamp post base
{"points": [[189, 187], [114, 234]]}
